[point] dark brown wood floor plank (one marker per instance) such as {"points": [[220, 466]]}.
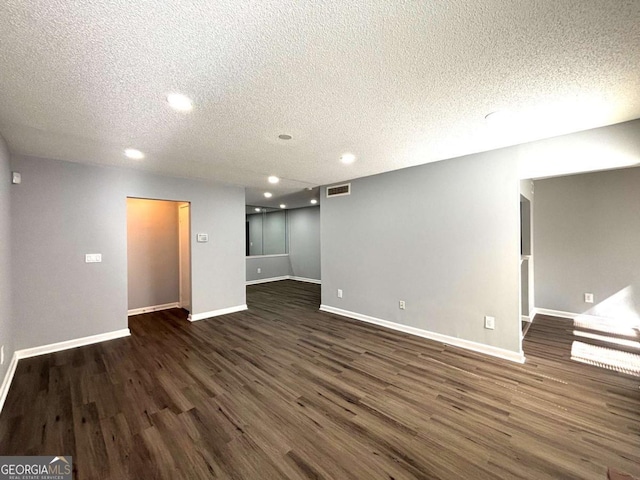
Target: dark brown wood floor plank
{"points": [[285, 391]]}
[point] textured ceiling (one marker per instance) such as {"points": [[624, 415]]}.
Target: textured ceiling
{"points": [[396, 83]]}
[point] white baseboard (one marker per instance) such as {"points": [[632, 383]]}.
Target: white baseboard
{"points": [[8, 378], [215, 313], [570, 315], [526, 318], [283, 277], [51, 348], [306, 280], [267, 280], [154, 308], [77, 342], [559, 313], [438, 337]]}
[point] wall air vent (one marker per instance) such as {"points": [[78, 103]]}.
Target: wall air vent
{"points": [[339, 190]]}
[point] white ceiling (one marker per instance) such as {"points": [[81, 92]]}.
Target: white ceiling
{"points": [[395, 83]]}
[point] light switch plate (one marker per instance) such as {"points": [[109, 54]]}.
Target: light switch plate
{"points": [[93, 258], [489, 322], [16, 178]]}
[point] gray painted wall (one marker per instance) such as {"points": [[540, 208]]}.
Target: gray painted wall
{"points": [[152, 253], [587, 237], [274, 233], [304, 242], [444, 237], [255, 233], [270, 267], [6, 321], [64, 210], [303, 226]]}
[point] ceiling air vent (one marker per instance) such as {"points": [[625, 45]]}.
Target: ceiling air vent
{"points": [[339, 190]]}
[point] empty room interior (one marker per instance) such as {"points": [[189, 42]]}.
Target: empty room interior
{"points": [[328, 240]]}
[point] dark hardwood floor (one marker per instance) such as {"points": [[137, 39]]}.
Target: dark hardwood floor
{"points": [[285, 391]]}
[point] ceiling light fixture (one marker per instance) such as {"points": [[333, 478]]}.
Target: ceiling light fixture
{"points": [[347, 158], [273, 179], [180, 102], [268, 194], [134, 154], [314, 201], [257, 209], [284, 136], [282, 205]]}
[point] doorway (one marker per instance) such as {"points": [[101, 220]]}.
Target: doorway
{"points": [[158, 255], [184, 234], [526, 264]]}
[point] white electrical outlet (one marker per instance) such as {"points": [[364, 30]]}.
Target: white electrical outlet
{"points": [[489, 322], [402, 305], [93, 258], [339, 293], [259, 270], [588, 298]]}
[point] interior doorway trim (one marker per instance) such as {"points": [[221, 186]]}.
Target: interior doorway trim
{"points": [[184, 255]]}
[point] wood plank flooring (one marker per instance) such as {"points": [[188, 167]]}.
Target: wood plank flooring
{"points": [[285, 391]]}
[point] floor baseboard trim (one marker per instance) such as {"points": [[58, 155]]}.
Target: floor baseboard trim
{"points": [[438, 337], [216, 313], [76, 342], [306, 280], [554, 313], [569, 315], [154, 308], [267, 280], [283, 277], [8, 378]]}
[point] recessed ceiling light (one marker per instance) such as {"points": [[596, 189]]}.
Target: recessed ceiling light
{"points": [[134, 154], [284, 136], [180, 102], [314, 201], [348, 158], [268, 194], [257, 209], [273, 179], [282, 205]]}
